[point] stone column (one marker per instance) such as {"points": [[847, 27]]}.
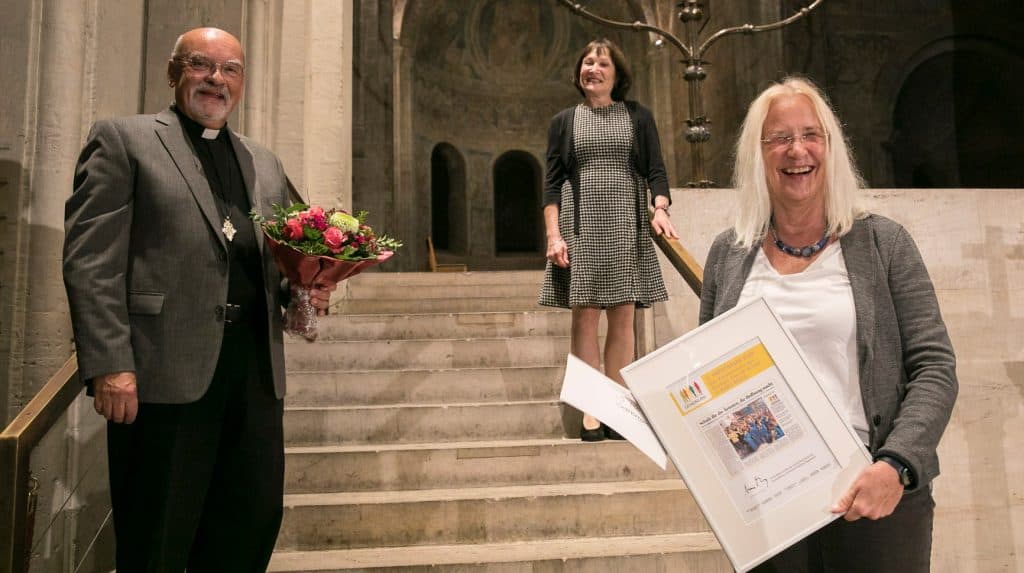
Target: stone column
{"points": [[40, 328], [327, 164], [261, 39], [303, 108], [401, 218], [287, 136]]}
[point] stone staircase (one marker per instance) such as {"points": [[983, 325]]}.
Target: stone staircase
{"points": [[424, 433]]}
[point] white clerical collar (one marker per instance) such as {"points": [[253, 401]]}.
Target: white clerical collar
{"points": [[210, 133]]}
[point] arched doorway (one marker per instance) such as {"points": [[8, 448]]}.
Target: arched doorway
{"points": [[517, 213], [447, 198], [954, 123]]}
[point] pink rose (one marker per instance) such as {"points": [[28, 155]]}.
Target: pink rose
{"points": [[334, 238], [317, 218], [293, 229]]}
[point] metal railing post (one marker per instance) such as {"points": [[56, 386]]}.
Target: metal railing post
{"points": [[17, 441]]}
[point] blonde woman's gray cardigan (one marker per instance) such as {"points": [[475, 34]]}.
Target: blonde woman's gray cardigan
{"points": [[907, 366]]}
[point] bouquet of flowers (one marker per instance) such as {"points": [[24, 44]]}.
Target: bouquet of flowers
{"points": [[313, 246]]}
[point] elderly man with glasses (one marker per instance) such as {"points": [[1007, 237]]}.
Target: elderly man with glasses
{"points": [[176, 308]]}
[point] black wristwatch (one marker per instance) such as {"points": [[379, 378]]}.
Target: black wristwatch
{"points": [[904, 473]]}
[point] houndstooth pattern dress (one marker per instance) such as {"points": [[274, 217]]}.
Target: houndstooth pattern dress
{"points": [[612, 259]]}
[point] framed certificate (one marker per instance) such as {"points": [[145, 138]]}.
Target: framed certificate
{"points": [[763, 450]]}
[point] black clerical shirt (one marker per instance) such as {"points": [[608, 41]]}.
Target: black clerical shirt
{"points": [[220, 167]]}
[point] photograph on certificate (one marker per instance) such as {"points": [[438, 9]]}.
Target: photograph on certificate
{"points": [[764, 445]]}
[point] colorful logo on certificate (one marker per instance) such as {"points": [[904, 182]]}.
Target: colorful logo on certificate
{"points": [[687, 394]]}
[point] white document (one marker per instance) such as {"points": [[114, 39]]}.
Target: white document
{"points": [[587, 389]]}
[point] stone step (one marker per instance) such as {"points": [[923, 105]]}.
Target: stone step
{"points": [[388, 467], [358, 291], [379, 387], [675, 553], [414, 305], [487, 515], [422, 423], [442, 325], [374, 279], [425, 354]]}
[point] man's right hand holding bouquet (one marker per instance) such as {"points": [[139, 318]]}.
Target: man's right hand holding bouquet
{"points": [[320, 296], [315, 250]]}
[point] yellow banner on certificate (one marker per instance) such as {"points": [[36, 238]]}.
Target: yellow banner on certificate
{"points": [[737, 370], [689, 393]]}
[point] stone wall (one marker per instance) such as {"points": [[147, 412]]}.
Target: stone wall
{"points": [[973, 244], [930, 88]]}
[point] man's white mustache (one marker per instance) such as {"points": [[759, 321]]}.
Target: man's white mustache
{"points": [[207, 88]]}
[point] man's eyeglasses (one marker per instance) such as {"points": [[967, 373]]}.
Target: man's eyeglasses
{"points": [[807, 138], [203, 65]]}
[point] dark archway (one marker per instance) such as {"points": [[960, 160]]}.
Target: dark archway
{"points": [[447, 198], [958, 121], [517, 213]]}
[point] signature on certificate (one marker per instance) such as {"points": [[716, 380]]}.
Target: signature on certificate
{"points": [[759, 483]]}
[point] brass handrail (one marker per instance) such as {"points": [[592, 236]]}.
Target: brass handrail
{"points": [[683, 262], [17, 441]]}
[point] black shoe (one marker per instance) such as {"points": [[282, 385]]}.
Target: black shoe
{"points": [[612, 434], [595, 435]]}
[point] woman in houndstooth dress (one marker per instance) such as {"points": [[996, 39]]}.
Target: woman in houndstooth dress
{"points": [[603, 154]]}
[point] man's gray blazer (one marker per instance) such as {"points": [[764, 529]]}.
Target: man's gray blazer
{"points": [[907, 366], [145, 260]]}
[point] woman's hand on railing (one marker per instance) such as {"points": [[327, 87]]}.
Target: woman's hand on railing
{"points": [[116, 398], [662, 224]]}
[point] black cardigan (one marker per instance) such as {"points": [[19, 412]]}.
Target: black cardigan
{"points": [[561, 157]]}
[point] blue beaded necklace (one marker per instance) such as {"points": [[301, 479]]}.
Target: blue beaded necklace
{"points": [[805, 252]]}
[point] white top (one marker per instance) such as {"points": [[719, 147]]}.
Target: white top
{"points": [[816, 305]]}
